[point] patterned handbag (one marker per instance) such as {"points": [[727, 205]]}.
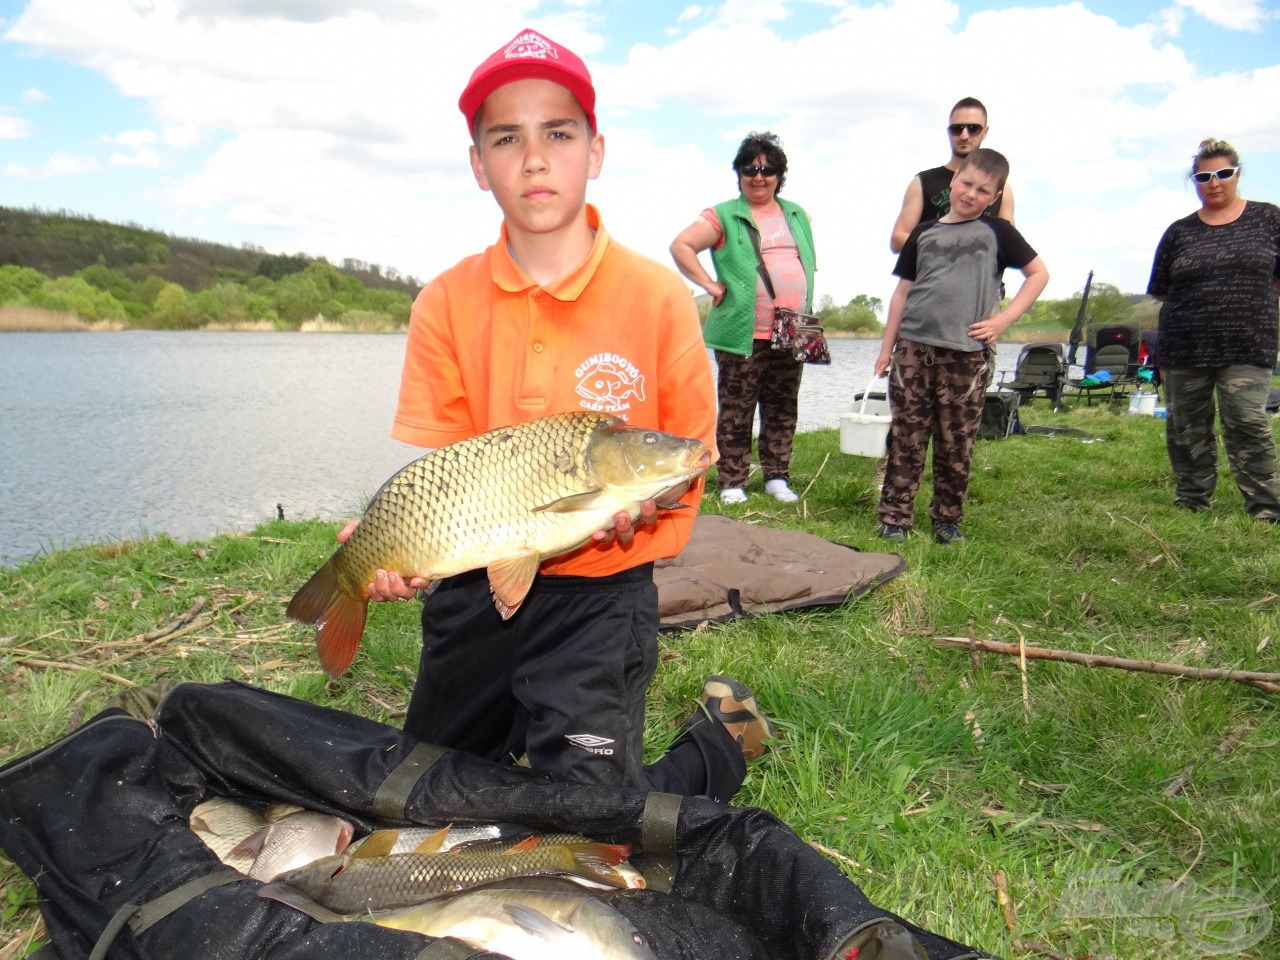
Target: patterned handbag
{"points": [[810, 343], [799, 334], [782, 335]]}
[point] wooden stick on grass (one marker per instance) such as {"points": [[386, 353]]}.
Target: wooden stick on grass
{"points": [[174, 625], [805, 492], [50, 665], [1001, 883], [1269, 682]]}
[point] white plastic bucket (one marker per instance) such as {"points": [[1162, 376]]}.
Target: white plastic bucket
{"points": [[864, 428], [1143, 403]]}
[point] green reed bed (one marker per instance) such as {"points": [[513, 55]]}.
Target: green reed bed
{"points": [[929, 775]]}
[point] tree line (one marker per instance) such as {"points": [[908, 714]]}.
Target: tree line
{"points": [[1106, 304], [107, 271]]}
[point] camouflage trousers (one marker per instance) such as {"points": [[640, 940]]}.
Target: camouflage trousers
{"points": [[934, 393], [1246, 430], [770, 380]]}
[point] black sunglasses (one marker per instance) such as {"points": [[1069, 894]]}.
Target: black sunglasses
{"points": [[750, 172], [1204, 176], [956, 129]]}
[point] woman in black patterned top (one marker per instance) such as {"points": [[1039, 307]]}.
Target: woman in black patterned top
{"points": [[1217, 272]]}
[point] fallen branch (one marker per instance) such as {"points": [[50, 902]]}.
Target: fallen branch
{"points": [[50, 665], [1001, 883], [1006, 902], [805, 492], [173, 631], [836, 855], [1263, 681], [175, 625], [1022, 667], [1054, 824], [1168, 550]]}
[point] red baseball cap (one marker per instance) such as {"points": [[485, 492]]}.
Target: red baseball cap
{"points": [[529, 56]]}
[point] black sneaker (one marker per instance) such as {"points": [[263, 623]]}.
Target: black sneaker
{"points": [[734, 705], [948, 533], [891, 531]]}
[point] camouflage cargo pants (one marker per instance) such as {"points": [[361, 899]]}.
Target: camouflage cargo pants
{"points": [[937, 394], [768, 379], [1246, 429]]}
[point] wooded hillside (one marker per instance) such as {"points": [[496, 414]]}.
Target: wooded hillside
{"points": [[94, 271], [58, 244]]}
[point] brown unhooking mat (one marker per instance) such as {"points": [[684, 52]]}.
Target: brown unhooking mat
{"points": [[731, 569]]}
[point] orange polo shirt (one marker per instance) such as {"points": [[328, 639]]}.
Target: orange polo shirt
{"points": [[488, 347]]}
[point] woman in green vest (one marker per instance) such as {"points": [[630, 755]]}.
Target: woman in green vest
{"points": [[750, 374]]}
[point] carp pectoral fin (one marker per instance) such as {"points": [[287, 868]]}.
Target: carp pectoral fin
{"points": [[377, 844], [535, 923], [571, 504], [299, 901], [510, 580]]}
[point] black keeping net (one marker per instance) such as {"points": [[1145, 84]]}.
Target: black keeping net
{"points": [[99, 819]]}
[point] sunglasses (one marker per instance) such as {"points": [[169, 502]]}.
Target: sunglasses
{"points": [[750, 172], [973, 129], [1204, 176]]}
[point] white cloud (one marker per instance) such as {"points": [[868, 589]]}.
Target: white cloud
{"points": [[58, 165], [139, 158], [32, 95], [13, 128], [1231, 14], [1169, 20], [689, 13], [133, 138]]}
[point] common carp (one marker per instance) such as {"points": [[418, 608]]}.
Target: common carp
{"points": [[350, 884], [527, 919], [484, 839], [505, 501]]}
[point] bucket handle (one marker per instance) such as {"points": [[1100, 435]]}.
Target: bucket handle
{"points": [[862, 410]]}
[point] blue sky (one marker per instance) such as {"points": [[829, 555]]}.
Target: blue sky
{"points": [[331, 128]]}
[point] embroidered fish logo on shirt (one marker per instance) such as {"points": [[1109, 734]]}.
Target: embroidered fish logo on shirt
{"points": [[607, 387]]}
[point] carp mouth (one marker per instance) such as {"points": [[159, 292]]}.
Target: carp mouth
{"points": [[695, 462]]}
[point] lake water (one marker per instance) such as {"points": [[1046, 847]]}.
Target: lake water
{"points": [[105, 436]]}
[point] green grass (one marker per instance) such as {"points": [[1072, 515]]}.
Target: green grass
{"points": [[921, 773]]}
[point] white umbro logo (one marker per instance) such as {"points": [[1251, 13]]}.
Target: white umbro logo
{"points": [[591, 743]]}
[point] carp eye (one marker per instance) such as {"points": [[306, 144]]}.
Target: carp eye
{"points": [[651, 438]]}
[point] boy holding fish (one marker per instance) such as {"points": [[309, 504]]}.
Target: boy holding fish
{"points": [[557, 317]]}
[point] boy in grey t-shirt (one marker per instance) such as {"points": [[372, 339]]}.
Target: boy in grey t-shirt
{"points": [[944, 317]]}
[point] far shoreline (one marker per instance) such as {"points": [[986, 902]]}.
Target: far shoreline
{"points": [[34, 320]]}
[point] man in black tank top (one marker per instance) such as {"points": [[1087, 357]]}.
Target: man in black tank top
{"points": [[928, 194]]}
